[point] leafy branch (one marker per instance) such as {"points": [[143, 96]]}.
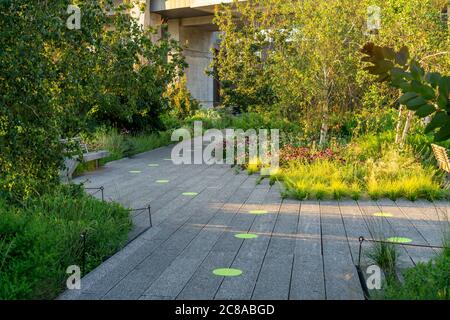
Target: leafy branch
{"points": [[424, 93]]}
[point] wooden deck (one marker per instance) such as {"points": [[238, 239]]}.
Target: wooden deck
{"points": [[304, 250]]}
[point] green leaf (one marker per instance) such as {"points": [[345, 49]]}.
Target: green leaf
{"points": [[416, 70], [433, 78], [425, 91], [388, 53], [407, 96], [439, 119], [401, 74], [402, 56], [380, 67], [442, 102], [415, 103], [443, 134], [402, 84], [444, 87], [425, 110]]}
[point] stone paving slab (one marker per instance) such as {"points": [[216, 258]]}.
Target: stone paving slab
{"points": [[303, 250]]}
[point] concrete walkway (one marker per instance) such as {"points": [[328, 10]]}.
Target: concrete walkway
{"points": [[304, 250]]}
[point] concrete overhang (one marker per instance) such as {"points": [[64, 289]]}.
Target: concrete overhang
{"points": [[176, 9]]}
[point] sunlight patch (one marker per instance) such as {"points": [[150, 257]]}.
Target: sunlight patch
{"points": [[162, 181], [383, 214], [258, 212], [399, 240], [190, 194], [246, 236], [227, 272]]}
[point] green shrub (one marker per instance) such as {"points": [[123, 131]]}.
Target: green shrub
{"points": [[40, 239], [425, 281]]}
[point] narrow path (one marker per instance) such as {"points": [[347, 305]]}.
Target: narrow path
{"points": [[298, 250]]}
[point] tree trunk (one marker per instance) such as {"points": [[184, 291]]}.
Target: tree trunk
{"points": [[407, 126], [324, 127], [399, 125]]}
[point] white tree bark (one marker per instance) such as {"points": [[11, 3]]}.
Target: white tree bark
{"points": [[399, 125], [324, 127], [407, 126]]}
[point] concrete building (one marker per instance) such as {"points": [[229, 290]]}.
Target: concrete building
{"points": [[190, 22]]}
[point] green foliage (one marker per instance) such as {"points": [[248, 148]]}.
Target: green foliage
{"points": [[297, 58], [290, 59], [425, 281], [124, 144], [182, 105], [322, 179], [134, 73], [425, 93], [54, 80], [385, 255], [371, 167], [41, 238]]}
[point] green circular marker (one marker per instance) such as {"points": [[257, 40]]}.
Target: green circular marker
{"points": [[399, 240], [258, 212], [162, 181], [135, 171], [190, 194], [227, 272], [246, 236], [383, 214], [153, 165]]}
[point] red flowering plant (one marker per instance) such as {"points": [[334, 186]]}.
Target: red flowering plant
{"points": [[306, 154]]}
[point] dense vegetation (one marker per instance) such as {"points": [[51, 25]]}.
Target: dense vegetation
{"points": [[357, 109], [57, 82], [41, 238]]}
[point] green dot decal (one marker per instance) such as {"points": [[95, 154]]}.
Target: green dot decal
{"points": [[153, 165], [227, 272], [135, 171], [258, 212], [190, 194], [383, 214], [162, 181], [399, 240], [246, 236]]}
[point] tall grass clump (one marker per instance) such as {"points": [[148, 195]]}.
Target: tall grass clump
{"points": [[322, 179], [370, 167], [122, 145]]}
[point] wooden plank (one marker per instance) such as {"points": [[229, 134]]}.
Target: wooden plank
{"points": [[275, 276], [203, 284], [251, 255], [341, 277], [307, 281], [355, 226], [380, 228], [429, 229], [403, 227]]}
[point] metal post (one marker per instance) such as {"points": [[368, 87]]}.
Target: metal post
{"points": [[103, 197], [361, 240]]}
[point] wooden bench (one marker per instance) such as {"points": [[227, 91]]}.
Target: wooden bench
{"points": [[71, 163], [441, 156]]}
